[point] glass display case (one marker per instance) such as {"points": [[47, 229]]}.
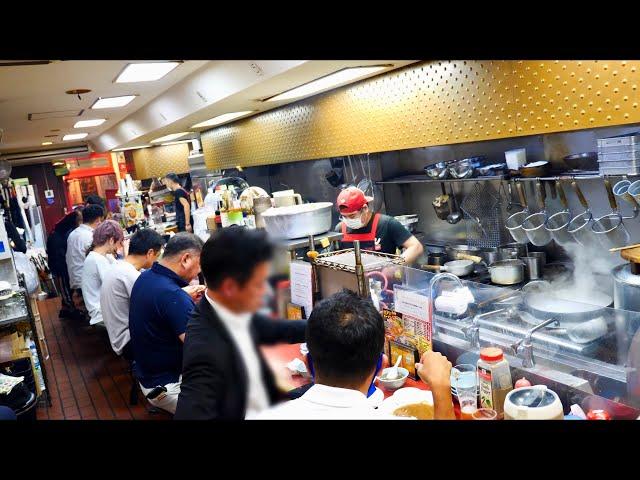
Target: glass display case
{"points": [[589, 355]]}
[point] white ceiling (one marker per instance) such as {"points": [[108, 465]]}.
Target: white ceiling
{"points": [[193, 92], [41, 88]]}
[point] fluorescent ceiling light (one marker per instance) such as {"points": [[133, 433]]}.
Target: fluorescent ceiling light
{"points": [[47, 143], [58, 164], [172, 136], [145, 72], [89, 123], [225, 117], [129, 148], [112, 102], [325, 83], [175, 143], [74, 136]]}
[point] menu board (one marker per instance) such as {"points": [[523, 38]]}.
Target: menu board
{"points": [[302, 285], [410, 323]]}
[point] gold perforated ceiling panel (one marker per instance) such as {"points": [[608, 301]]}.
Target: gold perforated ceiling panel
{"points": [[433, 103], [158, 161]]}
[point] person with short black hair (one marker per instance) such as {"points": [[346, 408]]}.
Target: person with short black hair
{"points": [[181, 202], [158, 315], [224, 375], [345, 338], [78, 245], [145, 247]]}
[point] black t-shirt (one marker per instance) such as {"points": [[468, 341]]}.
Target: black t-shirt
{"points": [[390, 235], [180, 218]]}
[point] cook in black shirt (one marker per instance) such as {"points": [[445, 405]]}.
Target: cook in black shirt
{"points": [[376, 232], [181, 202]]}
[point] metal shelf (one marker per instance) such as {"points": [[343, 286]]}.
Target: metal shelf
{"points": [[424, 179], [559, 176], [12, 320]]}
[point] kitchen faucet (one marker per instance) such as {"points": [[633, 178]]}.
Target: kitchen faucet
{"points": [[472, 332], [526, 346]]}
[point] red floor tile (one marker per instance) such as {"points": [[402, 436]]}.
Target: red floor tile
{"points": [[86, 379]]}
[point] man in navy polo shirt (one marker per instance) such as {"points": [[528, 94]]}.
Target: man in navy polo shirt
{"points": [[158, 315]]}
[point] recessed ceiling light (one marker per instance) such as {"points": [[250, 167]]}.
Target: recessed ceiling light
{"points": [[145, 72], [58, 164], [47, 143], [130, 148], [89, 123], [74, 136], [168, 138], [327, 82], [225, 117], [112, 102]]}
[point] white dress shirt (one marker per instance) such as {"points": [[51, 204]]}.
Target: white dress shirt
{"points": [[322, 402], [78, 243], [94, 272], [238, 327]]}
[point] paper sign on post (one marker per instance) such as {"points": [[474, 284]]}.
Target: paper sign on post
{"points": [[411, 303], [302, 285]]}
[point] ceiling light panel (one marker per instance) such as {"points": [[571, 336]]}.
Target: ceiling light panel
{"points": [[225, 117], [145, 72], [112, 102], [89, 123]]}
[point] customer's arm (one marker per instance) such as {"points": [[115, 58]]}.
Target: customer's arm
{"points": [[202, 380], [435, 370], [279, 331]]}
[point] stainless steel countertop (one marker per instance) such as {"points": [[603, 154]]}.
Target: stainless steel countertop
{"points": [[296, 243]]}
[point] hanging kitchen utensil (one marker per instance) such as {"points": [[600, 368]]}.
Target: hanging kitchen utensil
{"points": [[622, 190], [580, 225], [441, 204], [371, 189], [533, 225], [610, 229], [515, 221], [483, 216], [553, 190], [557, 223], [454, 213]]}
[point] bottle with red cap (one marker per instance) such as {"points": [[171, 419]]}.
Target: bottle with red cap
{"points": [[494, 379]]}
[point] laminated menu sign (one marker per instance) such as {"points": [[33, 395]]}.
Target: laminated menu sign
{"points": [[302, 285], [407, 329]]}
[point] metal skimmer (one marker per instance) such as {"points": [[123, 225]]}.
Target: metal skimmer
{"points": [[482, 209]]}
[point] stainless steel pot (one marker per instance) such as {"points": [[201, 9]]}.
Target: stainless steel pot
{"points": [[298, 221], [626, 288], [511, 251], [507, 272], [489, 255]]}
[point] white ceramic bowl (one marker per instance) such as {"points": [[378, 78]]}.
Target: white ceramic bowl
{"points": [[394, 384]]}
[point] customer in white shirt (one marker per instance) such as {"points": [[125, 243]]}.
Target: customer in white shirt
{"points": [[144, 248], [345, 338], [78, 244], [107, 240]]}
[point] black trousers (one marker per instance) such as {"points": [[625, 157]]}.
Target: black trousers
{"points": [[127, 352]]}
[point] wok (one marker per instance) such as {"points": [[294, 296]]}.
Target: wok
{"points": [[542, 305]]}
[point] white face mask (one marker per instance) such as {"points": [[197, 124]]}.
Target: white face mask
{"points": [[353, 223]]}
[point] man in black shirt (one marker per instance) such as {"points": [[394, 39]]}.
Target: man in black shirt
{"points": [[375, 231], [181, 202]]}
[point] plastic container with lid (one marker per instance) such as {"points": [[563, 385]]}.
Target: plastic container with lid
{"points": [[494, 377]]}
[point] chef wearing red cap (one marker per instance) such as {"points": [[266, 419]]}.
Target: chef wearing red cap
{"points": [[375, 231]]}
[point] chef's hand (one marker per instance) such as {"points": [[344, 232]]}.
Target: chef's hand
{"points": [[188, 228], [195, 291], [435, 370]]}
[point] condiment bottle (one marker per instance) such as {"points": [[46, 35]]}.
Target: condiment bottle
{"points": [[494, 377]]}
